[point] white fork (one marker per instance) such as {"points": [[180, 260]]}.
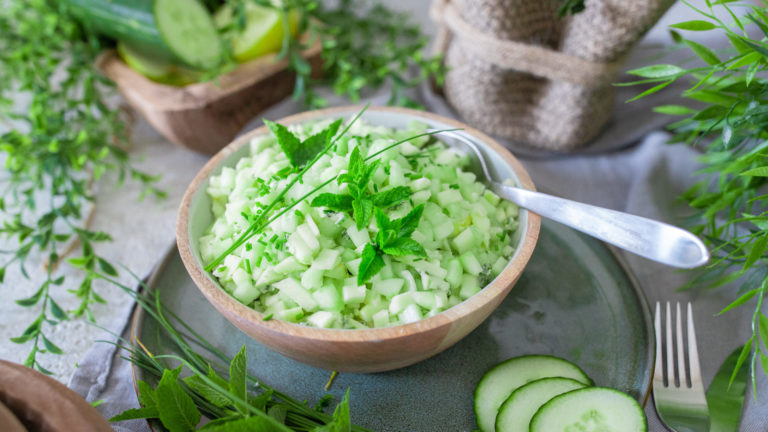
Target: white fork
{"points": [[680, 402]]}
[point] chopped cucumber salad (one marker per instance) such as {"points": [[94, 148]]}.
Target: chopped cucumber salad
{"points": [[377, 226]]}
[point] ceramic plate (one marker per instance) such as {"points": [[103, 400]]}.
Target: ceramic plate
{"points": [[574, 300]]}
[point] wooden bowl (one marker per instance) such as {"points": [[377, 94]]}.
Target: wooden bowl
{"points": [[206, 116], [41, 404], [366, 350]]}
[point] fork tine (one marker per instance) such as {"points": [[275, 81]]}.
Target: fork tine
{"points": [[693, 352], [680, 348], [658, 374], [670, 353]]}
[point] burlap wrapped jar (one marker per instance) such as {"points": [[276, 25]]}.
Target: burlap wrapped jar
{"points": [[516, 70]]}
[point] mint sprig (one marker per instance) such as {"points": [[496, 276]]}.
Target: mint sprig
{"points": [[360, 201], [393, 238]]}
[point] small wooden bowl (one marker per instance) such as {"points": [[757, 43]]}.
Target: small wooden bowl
{"points": [[367, 350], [206, 116], [42, 404]]}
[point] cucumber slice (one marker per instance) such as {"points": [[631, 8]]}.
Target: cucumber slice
{"points": [[516, 412], [499, 382], [187, 29], [593, 409]]}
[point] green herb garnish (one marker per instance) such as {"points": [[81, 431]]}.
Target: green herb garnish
{"points": [[359, 200], [729, 124], [393, 238], [54, 150]]}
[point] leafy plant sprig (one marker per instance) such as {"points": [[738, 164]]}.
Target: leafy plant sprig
{"points": [[393, 238], [360, 201], [53, 150], [365, 45], [219, 387], [731, 128]]}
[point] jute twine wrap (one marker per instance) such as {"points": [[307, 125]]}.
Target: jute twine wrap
{"points": [[517, 71]]}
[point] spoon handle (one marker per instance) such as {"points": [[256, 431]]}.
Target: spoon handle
{"points": [[651, 239]]}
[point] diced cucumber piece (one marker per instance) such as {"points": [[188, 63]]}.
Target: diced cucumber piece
{"points": [[308, 235], [370, 309], [410, 314], [469, 286], [465, 241], [328, 298], [291, 315], [410, 282], [291, 289], [455, 270], [501, 380], [312, 278], [359, 238], [244, 289], [400, 302], [381, 318], [425, 299], [592, 408], [327, 259], [289, 265], [388, 287], [499, 265], [516, 412], [322, 319], [448, 196], [470, 264], [352, 293]]}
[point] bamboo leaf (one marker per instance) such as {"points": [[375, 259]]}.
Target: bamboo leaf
{"points": [[756, 172], [674, 110], [703, 52], [757, 251], [742, 357], [740, 301], [657, 71], [694, 25], [651, 90]]}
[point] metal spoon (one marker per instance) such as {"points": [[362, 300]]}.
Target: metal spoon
{"points": [[648, 238]]}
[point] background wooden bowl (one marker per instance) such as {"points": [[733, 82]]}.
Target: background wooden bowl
{"points": [[206, 116], [367, 350], [42, 404]]}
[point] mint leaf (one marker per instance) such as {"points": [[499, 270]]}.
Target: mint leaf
{"points": [[382, 221], [363, 210], [356, 166], [147, 397], [407, 224], [287, 141], [335, 202], [371, 263], [367, 173], [176, 409], [260, 401], [392, 197], [237, 375], [404, 246], [300, 152], [136, 413], [342, 421], [210, 393]]}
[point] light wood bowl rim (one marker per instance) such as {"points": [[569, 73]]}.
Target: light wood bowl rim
{"points": [[214, 293]]}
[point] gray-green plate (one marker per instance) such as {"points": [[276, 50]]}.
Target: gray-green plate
{"points": [[575, 300]]}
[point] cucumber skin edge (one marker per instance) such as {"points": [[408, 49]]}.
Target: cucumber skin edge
{"points": [[513, 359]]}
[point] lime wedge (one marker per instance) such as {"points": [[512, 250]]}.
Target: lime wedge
{"points": [[263, 32]]}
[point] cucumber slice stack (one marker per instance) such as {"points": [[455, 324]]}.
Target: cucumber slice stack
{"points": [[540, 393]]}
